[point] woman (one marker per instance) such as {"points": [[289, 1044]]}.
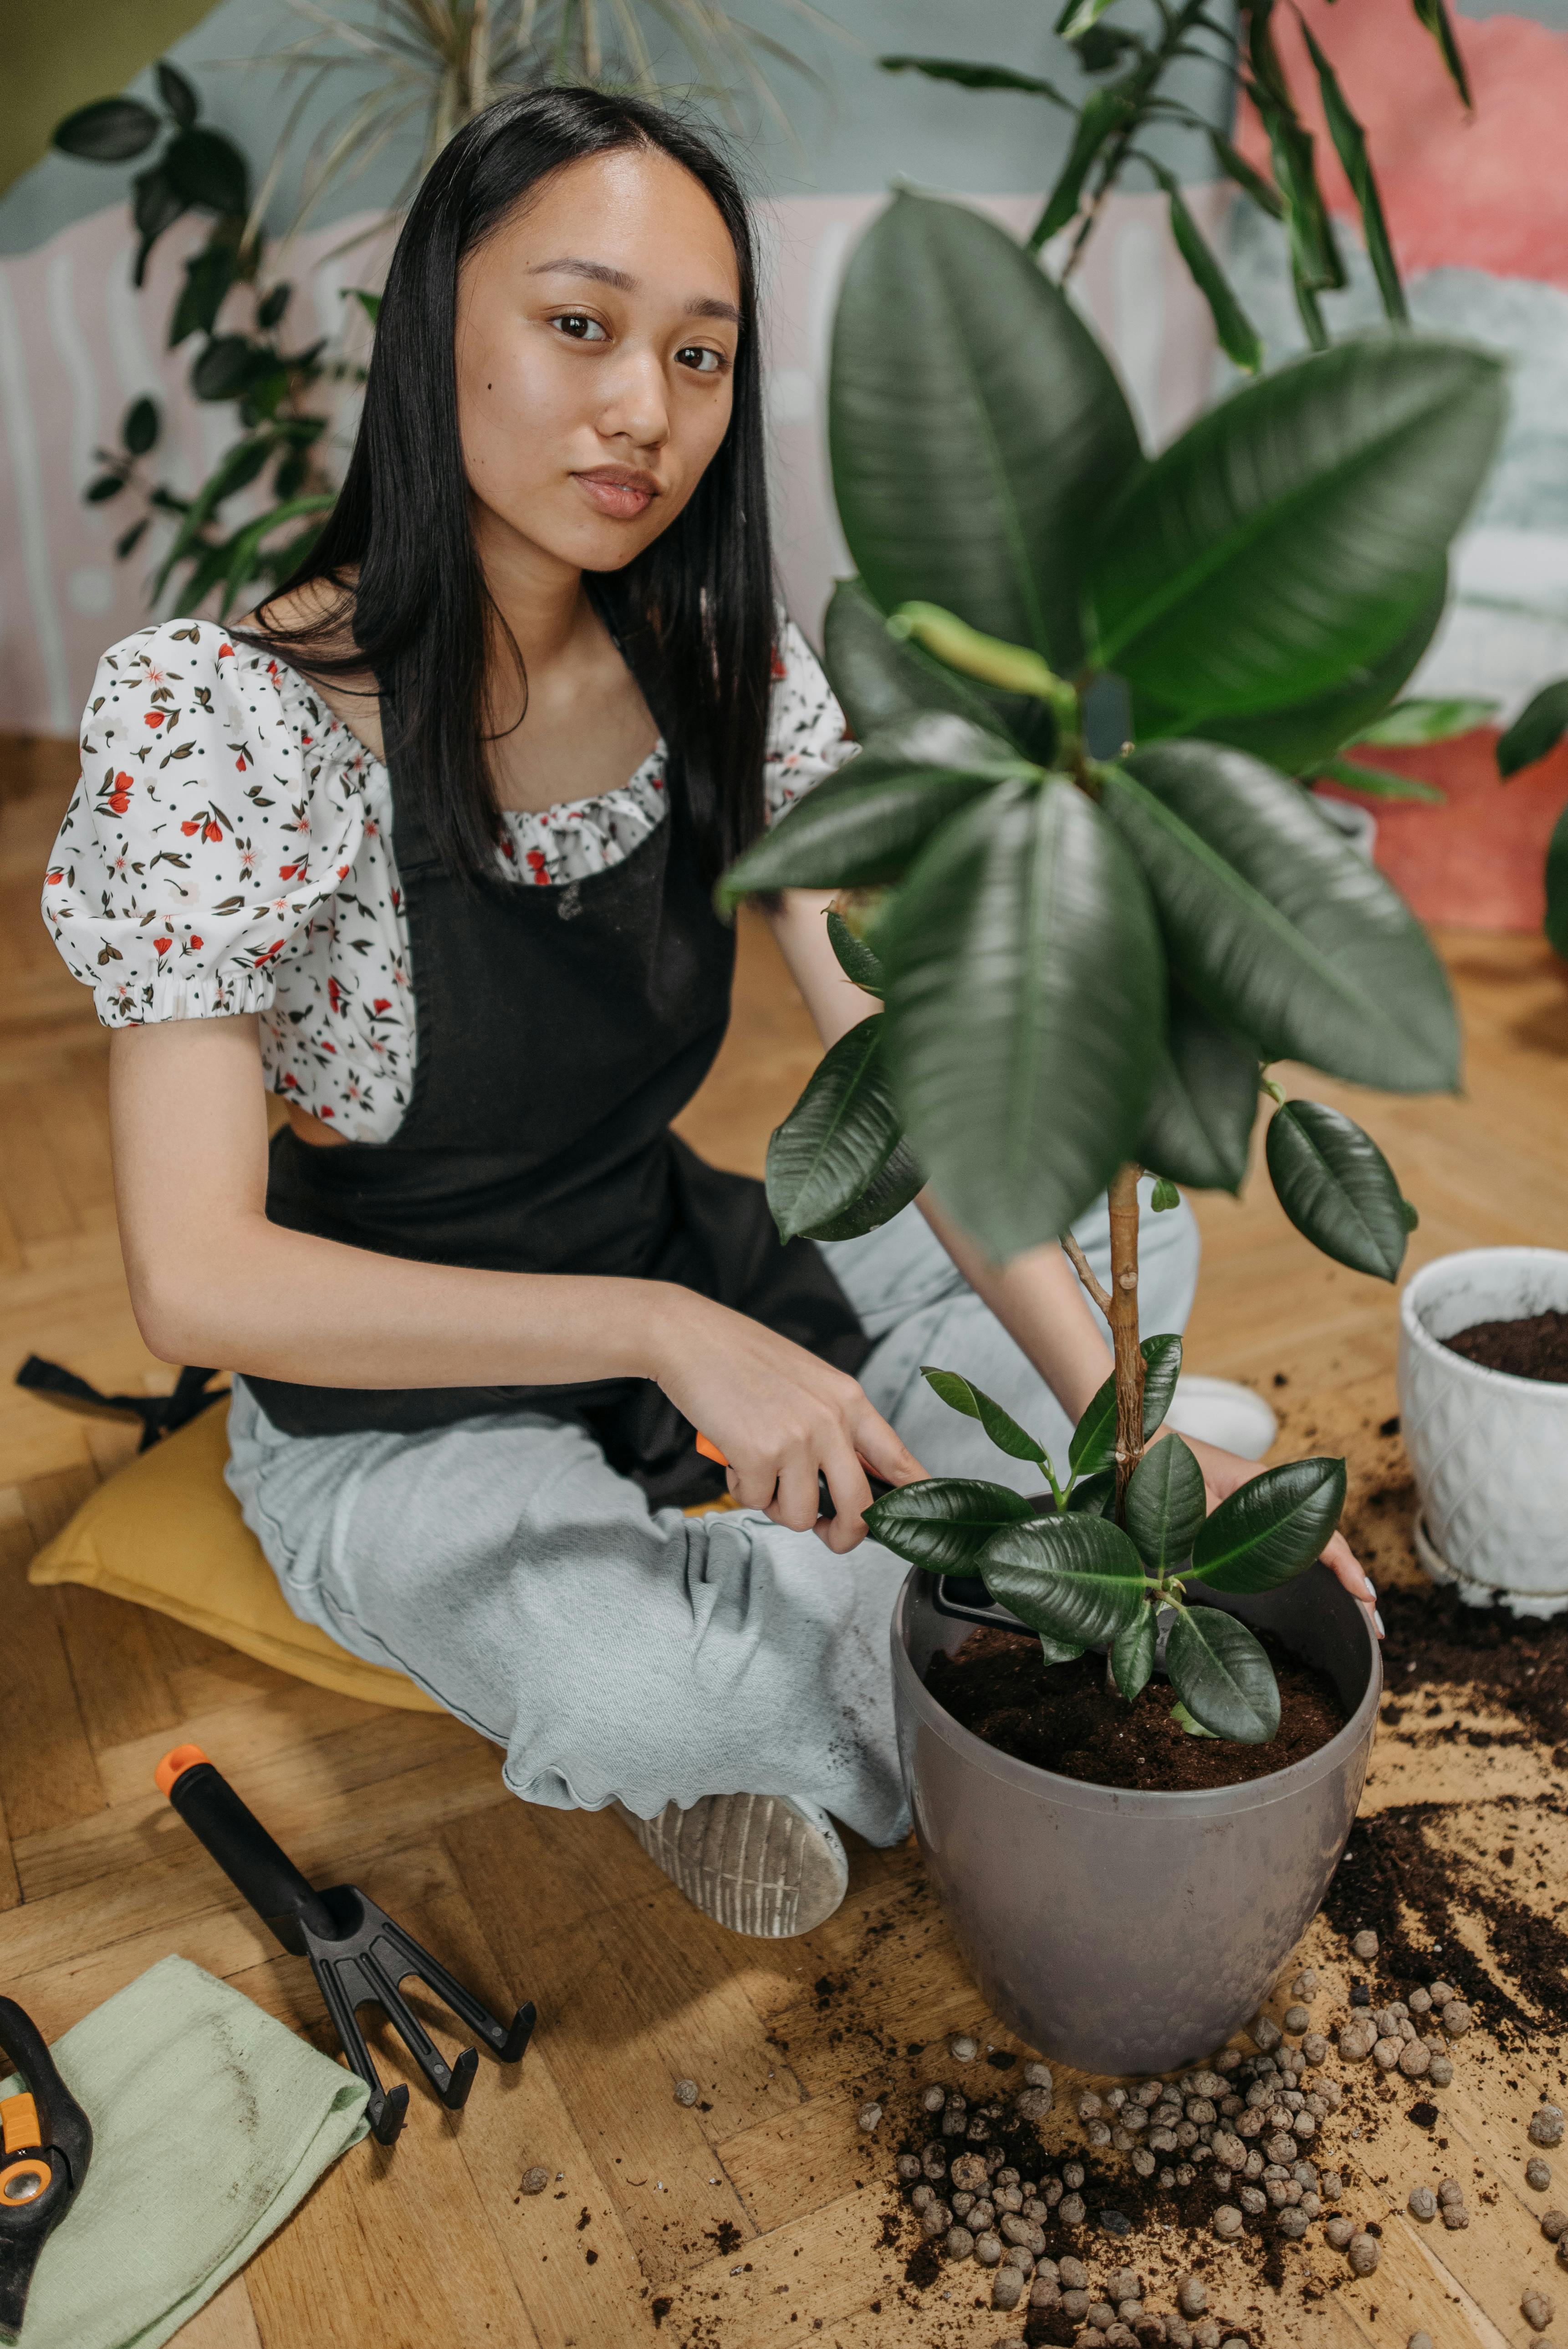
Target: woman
{"points": [[428, 852]]}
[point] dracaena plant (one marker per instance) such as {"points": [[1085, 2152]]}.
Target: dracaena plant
{"points": [[1095, 910]]}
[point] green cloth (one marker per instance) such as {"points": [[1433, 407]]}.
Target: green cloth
{"points": [[211, 2122]]}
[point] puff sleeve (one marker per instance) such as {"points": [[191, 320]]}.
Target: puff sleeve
{"points": [[203, 833], [807, 735]]}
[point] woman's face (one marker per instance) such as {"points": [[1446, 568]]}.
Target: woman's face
{"points": [[596, 339]]}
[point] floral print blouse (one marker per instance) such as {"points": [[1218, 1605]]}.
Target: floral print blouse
{"points": [[228, 849]]}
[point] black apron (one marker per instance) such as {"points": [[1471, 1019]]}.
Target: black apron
{"points": [[558, 1032]]}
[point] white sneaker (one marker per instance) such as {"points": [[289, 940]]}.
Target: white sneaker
{"points": [[755, 1863], [1218, 1411]]}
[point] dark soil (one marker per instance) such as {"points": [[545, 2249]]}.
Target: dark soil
{"points": [[1505, 1664], [1062, 1717], [1534, 1347]]}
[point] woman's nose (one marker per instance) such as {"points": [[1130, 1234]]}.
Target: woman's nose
{"points": [[637, 408]]}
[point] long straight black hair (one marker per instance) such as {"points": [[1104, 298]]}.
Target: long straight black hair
{"points": [[695, 610]]}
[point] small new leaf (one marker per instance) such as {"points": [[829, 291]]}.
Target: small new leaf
{"points": [[1165, 1504], [1272, 1528], [999, 1425], [1221, 1676], [1183, 1720], [1074, 1578], [1132, 1655], [1094, 1438], [943, 1523], [1164, 1195]]}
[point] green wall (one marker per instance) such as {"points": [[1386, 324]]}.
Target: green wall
{"points": [[61, 53]]}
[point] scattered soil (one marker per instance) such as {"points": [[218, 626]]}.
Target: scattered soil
{"points": [[1496, 1662], [1533, 1348], [1062, 1717]]}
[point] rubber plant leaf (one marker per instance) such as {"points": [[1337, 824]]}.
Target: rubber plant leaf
{"points": [[1183, 1720], [1293, 531], [879, 678], [1427, 718], [1378, 782], [858, 961], [889, 1192], [866, 822], [1165, 1504], [1026, 1001], [1539, 728], [945, 1523], [1000, 1425], [110, 130], [976, 429], [1073, 1579], [1223, 1676], [1058, 1651], [1301, 736], [1094, 1495], [1350, 145], [1270, 1528], [1133, 1654], [1336, 1187], [975, 77], [838, 1137], [1203, 1103], [1093, 1446], [1236, 335], [1556, 923], [1274, 921]]}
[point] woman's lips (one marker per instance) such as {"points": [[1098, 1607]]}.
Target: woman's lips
{"points": [[624, 496]]}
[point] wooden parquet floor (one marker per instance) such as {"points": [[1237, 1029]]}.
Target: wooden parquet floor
{"points": [[755, 2220]]}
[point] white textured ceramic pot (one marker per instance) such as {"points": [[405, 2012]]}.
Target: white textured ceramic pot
{"points": [[1489, 1451]]}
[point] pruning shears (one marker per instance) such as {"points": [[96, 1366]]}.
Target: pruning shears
{"points": [[46, 2145], [826, 1505]]}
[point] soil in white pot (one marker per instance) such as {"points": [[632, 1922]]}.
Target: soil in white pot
{"points": [[1064, 1718], [1535, 1347]]}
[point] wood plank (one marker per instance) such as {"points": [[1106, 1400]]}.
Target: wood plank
{"points": [[47, 1775], [227, 2321], [121, 1687]]}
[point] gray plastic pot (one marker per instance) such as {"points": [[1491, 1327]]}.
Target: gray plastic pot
{"points": [[1121, 1931]]}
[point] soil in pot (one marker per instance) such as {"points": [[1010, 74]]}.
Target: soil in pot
{"points": [[1064, 1718], [1533, 1348]]}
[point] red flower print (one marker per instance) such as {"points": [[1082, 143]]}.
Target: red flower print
{"points": [[537, 865], [287, 871], [211, 832], [161, 946], [324, 1110], [291, 1082], [335, 994], [155, 718], [195, 945], [118, 802], [777, 669], [382, 1003], [55, 877], [225, 652], [193, 823]]}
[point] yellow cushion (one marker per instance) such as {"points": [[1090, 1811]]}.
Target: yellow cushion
{"points": [[167, 1532]]}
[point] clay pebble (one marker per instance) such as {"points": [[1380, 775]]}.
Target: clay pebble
{"points": [[1305, 1983], [1008, 2288], [1419, 2340], [1546, 2126], [687, 2092], [960, 2243], [1538, 2173], [1192, 2296], [1296, 2019], [962, 2048], [1423, 2204], [535, 2180], [1227, 2222], [1555, 2225], [1457, 2018], [1538, 2309], [1365, 1945], [1340, 2232], [866, 2118], [1439, 2071], [1363, 2254], [1265, 2032]]}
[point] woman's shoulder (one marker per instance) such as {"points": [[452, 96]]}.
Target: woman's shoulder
{"points": [[808, 737]]}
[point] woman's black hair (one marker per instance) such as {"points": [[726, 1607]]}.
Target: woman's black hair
{"points": [[695, 610]]}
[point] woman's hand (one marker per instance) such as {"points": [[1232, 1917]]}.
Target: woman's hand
{"points": [[1224, 1471], [778, 1415]]}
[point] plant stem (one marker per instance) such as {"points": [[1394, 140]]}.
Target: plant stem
{"points": [[1085, 1271], [1123, 1319]]}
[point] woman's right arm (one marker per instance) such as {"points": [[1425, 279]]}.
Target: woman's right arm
{"points": [[213, 1280]]}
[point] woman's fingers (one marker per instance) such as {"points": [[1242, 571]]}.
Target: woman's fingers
{"points": [[796, 1501], [884, 1454], [852, 1495], [1345, 1567]]}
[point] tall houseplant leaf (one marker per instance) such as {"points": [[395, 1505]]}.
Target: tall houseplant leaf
{"points": [[1269, 1528], [977, 428], [1292, 532], [1222, 1675], [1203, 1102], [1286, 935], [1025, 1003], [880, 678], [1075, 1578], [943, 1523], [838, 1137], [1337, 1188]]}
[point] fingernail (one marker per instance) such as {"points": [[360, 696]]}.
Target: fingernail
{"points": [[1379, 1620]]}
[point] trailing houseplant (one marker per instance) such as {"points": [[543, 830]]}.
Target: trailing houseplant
{"points": [[1095, 911]]}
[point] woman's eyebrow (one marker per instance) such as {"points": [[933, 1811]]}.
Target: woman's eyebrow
{"points": [[702, 307]]}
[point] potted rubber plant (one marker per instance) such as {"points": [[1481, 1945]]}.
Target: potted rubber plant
{"points": [[1095, 915]]}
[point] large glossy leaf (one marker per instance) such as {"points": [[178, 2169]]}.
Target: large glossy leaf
{"points": [[888, 1192], [1025, 1006], [1270, 1528], [1539, 728], [1203, 1102], [1302, 736], [1281, 930], [1292, 532], [1093, 1447], [859, 962], [1336, 1187], [977, 428], [1132, 1654], [1095, 1495], [945, 1522], [880, 679], [110, 130], [865, 823], [838, 1137], [1165, 1504], [1000, 1425], [1223, 1676], [1073, 1577]]}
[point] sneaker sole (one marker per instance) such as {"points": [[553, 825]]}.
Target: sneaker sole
{"points": [[754, 1863]]}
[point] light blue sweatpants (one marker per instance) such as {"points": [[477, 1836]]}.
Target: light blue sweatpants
{"points": [[615, 1651]]}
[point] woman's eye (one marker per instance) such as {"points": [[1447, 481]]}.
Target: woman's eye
{"points": [[700, 359], [580, 329]]}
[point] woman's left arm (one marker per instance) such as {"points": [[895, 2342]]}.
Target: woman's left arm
{"points": [[1037, 1297]]}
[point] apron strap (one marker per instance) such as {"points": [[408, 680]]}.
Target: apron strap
{"points": [[159, 1414]]}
